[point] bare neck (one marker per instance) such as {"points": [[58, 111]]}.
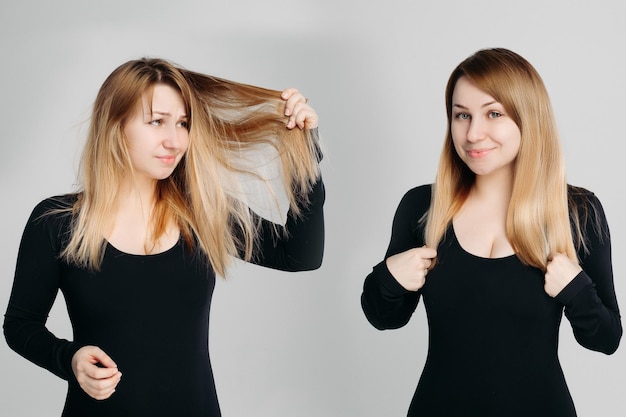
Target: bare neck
{"points": [[480, 224], [137, 198], [495, 188]]}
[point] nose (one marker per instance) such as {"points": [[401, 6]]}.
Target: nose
{"points": [[173, 138], [476, 130]]}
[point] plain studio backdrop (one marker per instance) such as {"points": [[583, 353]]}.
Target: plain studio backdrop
{"points": [[298, 344]]}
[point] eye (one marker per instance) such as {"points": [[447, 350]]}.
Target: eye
{"points": [[462, 116], [184, 124], [156, 122], [495, 114]]}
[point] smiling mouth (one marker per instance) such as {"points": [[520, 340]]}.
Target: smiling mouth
{"points": [[477, 153]]}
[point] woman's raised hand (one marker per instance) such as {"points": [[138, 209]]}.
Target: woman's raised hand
{"points": [[95, 372], [410, 268], [298, 111]]}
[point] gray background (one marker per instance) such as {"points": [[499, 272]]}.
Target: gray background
{"points": [[299, 345]]}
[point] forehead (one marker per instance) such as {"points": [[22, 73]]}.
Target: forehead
{"points": [[466, 93], [162, 97]]}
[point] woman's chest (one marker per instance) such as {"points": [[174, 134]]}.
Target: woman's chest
{"points": [[492, 291], [152, 287]]}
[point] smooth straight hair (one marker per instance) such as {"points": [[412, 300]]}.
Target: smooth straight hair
{"points": [[538, 220]]}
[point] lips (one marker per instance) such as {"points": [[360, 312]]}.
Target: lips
{"points": [[477, 153], [167, 159]]}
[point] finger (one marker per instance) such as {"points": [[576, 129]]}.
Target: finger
{"points": [[97, 373], [295, 99], [291, 96], [428, 253], [104, 383], [288, 92], [102, 358], [304, 119], [557, 255], [101, 390], [95, 355]]}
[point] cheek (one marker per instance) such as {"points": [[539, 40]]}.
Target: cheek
{"points": [[184, 142], [457, 133], [513, 137]]}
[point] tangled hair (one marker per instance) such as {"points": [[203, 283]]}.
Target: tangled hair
{"points": [[537, 221], [225, 118]]}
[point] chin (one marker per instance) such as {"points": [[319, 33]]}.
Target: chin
{"points": [[163, 176]]}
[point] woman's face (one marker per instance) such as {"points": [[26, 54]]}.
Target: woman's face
{"points": [[484, 136], [157, 135]]}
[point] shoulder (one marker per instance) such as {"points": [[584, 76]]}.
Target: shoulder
{"points": [[59, 202], [418, 198], [581, 195], [55, 207], [587, 216], [584, 203], [54, 213], [415, 203], [50, 222]]}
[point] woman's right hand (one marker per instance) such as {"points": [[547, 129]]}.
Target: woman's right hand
{"points": [[95, 372], [300, 114], [409, 268]]}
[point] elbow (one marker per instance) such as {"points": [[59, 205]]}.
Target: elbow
{"points": [[606, 343], [310, 264], [381, 321], [315, 262], [612, 346], [310, 260], [609, 348], [9, 334], [614, 337], [380, 324]]}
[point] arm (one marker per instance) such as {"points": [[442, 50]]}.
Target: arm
{"points": [[299, 246], [35, 286], [589, 299], [385, 302]]}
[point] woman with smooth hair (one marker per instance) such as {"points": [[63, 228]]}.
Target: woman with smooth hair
{"points": [[162, 209], [498, 247]]}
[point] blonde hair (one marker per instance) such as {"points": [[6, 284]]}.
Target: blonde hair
{"points": [[537, 221], [224, 118]]}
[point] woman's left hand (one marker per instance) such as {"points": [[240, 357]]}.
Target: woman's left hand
{"points": [[561, 270], [299, 112]]}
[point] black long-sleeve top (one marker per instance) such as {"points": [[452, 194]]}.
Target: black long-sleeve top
{"points": [[493, 331], [150, 313]]}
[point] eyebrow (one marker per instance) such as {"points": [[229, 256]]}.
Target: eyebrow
{"points": [[484, 105], [164, 113]]}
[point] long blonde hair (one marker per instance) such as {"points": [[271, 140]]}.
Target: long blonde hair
{"points": [[537, 220], [224, 118]]}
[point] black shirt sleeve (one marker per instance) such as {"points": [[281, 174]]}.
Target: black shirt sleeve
{"points": [[386, 304], [299, 245], [590, 300], [35, 287]]}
